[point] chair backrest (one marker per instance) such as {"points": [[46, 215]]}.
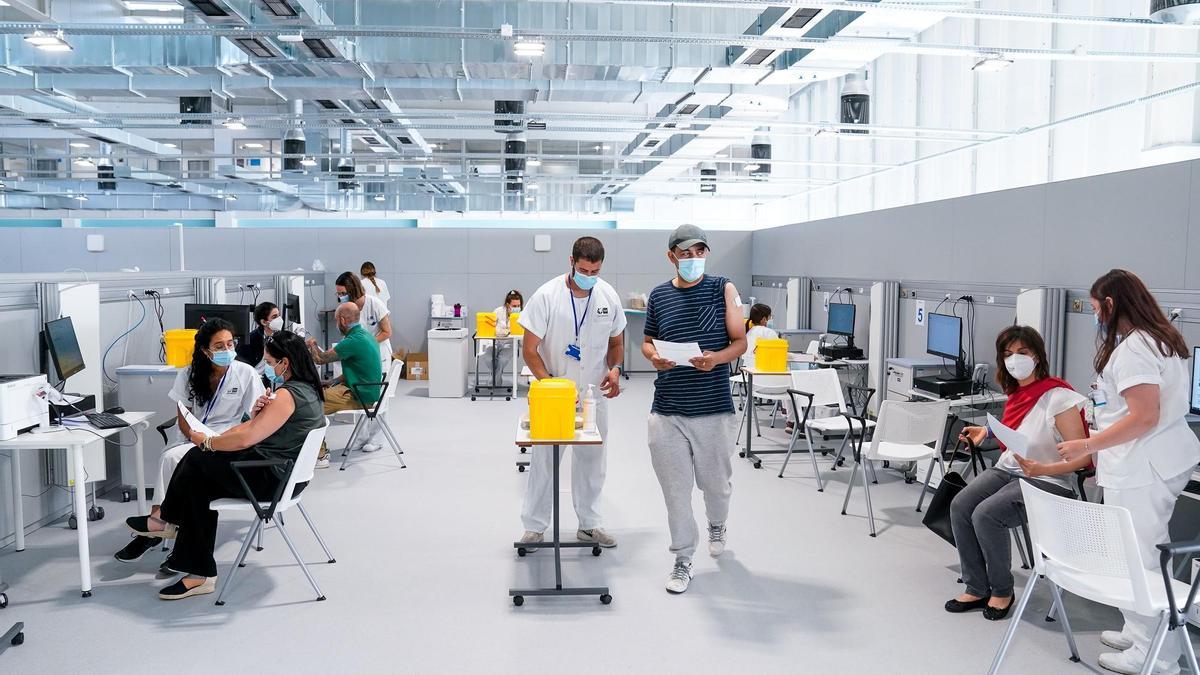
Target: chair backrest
{"points": [[910, 423], [393, 379], [306, 462], [823, 384], [1087, 538], [814, 348]]}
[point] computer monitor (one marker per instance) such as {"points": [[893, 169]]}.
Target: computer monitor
{"points": [[64, 350], [1196, 380], [290, 311], [841, 319], [944, 336], [238, 315]]}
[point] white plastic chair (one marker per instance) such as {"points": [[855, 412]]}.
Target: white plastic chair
{"points": [[301, 472], [1091, 550], [364, 418], [772, 388], [904, 433], [813, 391]]}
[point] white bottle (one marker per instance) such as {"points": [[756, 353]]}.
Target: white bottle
{"points": [[589, 409]]}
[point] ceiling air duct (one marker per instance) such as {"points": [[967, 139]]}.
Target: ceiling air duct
{"points": [[760, 149], [1175, 11], [514, 144], [708, 178], [507, 126], [856, 102], [294, 141]]}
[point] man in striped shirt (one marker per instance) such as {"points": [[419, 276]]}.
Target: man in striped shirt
{"points": [[691, 427]]}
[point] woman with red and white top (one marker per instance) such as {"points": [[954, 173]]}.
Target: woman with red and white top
{"points": [[1045, 410]]}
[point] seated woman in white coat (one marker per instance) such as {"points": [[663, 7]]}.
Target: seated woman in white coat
{"points": [[503, 354], [758, 327], [220, 391]]}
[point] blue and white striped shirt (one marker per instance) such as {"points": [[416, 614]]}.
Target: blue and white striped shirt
{"points": [[695, 314]]}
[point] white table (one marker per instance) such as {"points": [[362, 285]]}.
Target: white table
{"points": [[73, 441], [517, 341], [641, 313]]}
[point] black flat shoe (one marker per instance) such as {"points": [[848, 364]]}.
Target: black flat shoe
{"points": [[955, 607], [140, 525], [136, 548], [995, 613]]}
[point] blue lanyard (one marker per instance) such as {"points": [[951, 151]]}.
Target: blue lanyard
{"points": [[575, 314], [216, 395]]}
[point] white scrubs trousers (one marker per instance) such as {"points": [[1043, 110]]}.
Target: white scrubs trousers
{"points": [[1151, 507], [171, 457], [588, 468]]}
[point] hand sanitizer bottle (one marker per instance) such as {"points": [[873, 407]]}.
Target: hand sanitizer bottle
{"points": [[589, 409]]}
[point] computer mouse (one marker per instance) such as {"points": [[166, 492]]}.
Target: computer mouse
{"points": [[116, 410]]}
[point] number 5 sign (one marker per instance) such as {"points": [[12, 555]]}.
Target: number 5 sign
{"points": [[919, 319]]}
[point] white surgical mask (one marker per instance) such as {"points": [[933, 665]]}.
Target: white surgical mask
{"points": [[275, 324], [1020, 366]]}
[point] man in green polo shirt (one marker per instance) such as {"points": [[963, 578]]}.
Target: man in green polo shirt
{"points": [[359, 355]]}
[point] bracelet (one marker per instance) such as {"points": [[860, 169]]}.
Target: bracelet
{"points": [[206, 444]]}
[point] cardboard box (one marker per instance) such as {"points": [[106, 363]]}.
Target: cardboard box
{"points": [[401, 354], [416, 366]]}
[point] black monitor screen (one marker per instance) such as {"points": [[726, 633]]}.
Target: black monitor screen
{"points": [[944, 336], [1196, 381], [64, 347], [291, 309], [238, 315], [841, 319]]}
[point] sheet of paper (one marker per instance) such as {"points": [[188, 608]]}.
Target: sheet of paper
{"points": [[1013, 440], [194, 423], [679, 352]]}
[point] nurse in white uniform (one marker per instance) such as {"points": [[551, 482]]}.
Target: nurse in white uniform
{"points": [[375, 317], [574, 329], [504, 348], [219, 390], [373, 285], [1145, 452]]}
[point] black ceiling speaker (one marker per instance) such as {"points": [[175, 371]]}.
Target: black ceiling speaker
{"points": [[1175, 11], [856, 102], [195, 104], [509, 126]]}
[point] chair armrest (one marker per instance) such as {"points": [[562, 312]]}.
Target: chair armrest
{"points": [[287, 465], [870, 393], [382, 391], [162, 428], [792, 394], [1166, 553]]}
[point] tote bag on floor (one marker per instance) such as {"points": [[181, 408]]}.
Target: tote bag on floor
{"points": [[937, 516]]}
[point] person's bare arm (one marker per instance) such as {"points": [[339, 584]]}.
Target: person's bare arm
{"points": [[611, 386], [1143, 403], [323, 357], [1070, 427], [385, 329], [247, 434], [736, 327], [533, 359], [652, 356]]}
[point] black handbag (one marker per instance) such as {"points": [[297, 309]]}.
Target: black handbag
{"points": [[937, 516]]}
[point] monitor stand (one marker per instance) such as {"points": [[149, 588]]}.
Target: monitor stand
{"points": [[848, 351]]}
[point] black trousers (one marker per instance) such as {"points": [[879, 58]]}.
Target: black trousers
{"points": [[200, 478]]}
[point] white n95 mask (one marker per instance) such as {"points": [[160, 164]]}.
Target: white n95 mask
{"points": [[1020, 366], [275, 324]]}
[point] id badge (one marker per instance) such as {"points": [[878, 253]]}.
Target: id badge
{"points": [[573, 352]]}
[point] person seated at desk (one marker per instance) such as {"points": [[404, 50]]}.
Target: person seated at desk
{"points": [[758, 326], [375, 316], [269, 321], [276, 431], [504, 348], [359, 355], [1043, 409], [219, 390]]}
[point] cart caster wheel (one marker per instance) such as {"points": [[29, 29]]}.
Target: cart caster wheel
{"points": [[472, 398], [3, 600], [520, 469], [742, 454], [96, 513], [87, 594], [521, 553], [909, 481], [824, 453], [596, 551], [606, 599], [758, 465], [887, 464], [73, 523], [18, 639], [507, 398], [518, 600], [125, 496]]}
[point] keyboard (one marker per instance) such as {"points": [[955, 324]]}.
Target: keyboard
{"points": [[106, 421]]}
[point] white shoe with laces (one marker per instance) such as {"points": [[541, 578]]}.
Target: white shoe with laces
{"points": [[680, 577], [1115, 639], [369, 447], [1128, 663], [596, 536], [716, 540]]}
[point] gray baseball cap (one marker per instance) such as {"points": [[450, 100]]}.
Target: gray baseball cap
{"points": [[687, 236]]}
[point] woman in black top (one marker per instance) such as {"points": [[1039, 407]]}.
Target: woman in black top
{"points": [[276, 430], [267, 321]]}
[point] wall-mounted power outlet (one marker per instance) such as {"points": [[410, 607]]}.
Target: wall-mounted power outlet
{"points": [[1077, 305], [991, 299], [1175, 313]]}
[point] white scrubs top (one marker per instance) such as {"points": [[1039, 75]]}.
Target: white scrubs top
{"points": [[382, 293], [1170, 448], [548, 315], [374, 311], [1039, 427], [752, 337], [238, 391]]}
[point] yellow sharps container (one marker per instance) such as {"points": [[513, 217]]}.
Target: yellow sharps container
{"points": [[770, 355], [180, 343], [552, 409]]}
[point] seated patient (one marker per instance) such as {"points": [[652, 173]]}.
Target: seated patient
{"points": [[220, 391], [1045, 410], [276, 431], [359, 354]]}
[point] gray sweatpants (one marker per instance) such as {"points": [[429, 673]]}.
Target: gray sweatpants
{"points": [[687, 451]]}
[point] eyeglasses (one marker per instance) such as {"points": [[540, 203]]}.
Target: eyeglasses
{"points": [[229, 345]]}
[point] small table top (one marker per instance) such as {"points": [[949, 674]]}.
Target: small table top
{"points": [[582, 437], [966, 401], [72, 436]]}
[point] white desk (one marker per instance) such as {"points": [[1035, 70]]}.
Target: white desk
{"points": [[73, 441], [629, 344], [517, 341], [972, 401]]}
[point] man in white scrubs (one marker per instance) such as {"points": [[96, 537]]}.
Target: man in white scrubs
{"points": [[574, 329]]}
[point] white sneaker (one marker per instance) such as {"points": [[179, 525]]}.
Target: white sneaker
{"points": [[716, 540], [680, 577], [369, 447], [323, 463], [531, 538], [596, 536], [1115, 639], [1127, 663]]}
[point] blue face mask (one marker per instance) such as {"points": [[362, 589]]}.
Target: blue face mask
{"points": [[274, 378], [584, 282], [343, 298], [770, 323], [691, 269], [223, 358]]}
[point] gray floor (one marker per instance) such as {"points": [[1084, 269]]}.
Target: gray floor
{"points": [[425, 560]]}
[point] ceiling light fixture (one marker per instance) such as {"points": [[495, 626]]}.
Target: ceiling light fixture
{"points": [[48, 42], [235, 124], [170, 145], [533, 161], [231, 198], [253, 146], [79, 144], [379, 198], [295, 37], [152, 5], [529, 48], [308, 161], [80, 198], [533, 186], [85, 161], [992, 63]]}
